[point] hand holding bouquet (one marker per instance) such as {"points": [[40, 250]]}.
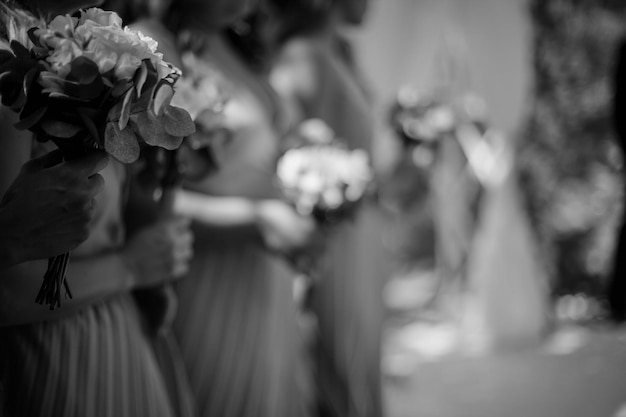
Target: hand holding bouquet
{"points": [[321, 176], [89, 83]]}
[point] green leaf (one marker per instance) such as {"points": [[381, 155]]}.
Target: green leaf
{"points": [[83, 70], [20, 50], [31, 35], [150, 129], [31, 119], [6, 56], [30, 78], [177, 122], [126, 107], [88, 121], [115, 112], [162, 98], [121, 89], [152, 78], [10, 90], [121, 144], [140, 78], [60, 129]]}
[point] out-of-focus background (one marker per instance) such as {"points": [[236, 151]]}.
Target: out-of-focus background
{"points": [[515, 322]]}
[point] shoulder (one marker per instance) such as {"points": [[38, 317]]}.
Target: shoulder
{"points": [[295, 70]]}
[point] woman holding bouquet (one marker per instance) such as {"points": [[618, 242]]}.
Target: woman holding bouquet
{"points": [[316, 70], [90, 356], [236, 320], [35, 222]]}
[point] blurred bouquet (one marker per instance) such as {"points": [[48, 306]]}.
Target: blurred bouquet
{"points": [[420, 118], [321, 176], [423, 120], [202, 91], [88, 83]]}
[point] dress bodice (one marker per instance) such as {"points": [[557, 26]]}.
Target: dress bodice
{"points": [[333, 93], [247, 162]]}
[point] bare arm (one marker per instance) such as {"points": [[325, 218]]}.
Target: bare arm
{"points": [[90, 280], [222, 212]]}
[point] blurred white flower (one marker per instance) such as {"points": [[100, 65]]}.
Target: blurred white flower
{"points": [[316, 131]]}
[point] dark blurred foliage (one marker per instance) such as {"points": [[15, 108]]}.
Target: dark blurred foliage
{"points": [[570, 165]]}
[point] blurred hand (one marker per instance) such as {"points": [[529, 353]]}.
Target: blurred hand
{"points": [[160, 252], [48, 208], [283, 229]]}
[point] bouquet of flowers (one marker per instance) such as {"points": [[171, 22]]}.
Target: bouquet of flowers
{"points": [[321, 176], [204, 94], [419, 118], [423, 120], [89, 83]]}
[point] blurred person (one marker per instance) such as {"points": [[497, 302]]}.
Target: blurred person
{"points": [[91, 356], [617, 282], [316, 70], [236, 320]]}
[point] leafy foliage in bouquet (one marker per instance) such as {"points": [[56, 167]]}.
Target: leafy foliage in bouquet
{"points": [[204, 93], [321, 176], [88, 82]]}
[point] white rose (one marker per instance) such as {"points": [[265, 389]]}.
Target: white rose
{"points": [[101, 17]]}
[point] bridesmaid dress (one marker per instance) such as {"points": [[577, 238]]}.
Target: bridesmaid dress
{"points": [[347, 300], [236, 323], [94, 362]]}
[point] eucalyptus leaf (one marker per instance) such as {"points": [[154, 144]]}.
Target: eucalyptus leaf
{"points": [[140, 78], [177, 122], [90, 125], [121, 88], [60, 129], [126, 107], [10, 90], [5, 56], [30, 78], [31, 119], [32, 36], [115, 112], [152, 77], [83, 70], [20, 50], [121, 144], [150, 129], [162, 98]]}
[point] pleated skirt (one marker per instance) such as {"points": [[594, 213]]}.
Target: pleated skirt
{"points": [[347, 300], [237, 331], [95, 363]]}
